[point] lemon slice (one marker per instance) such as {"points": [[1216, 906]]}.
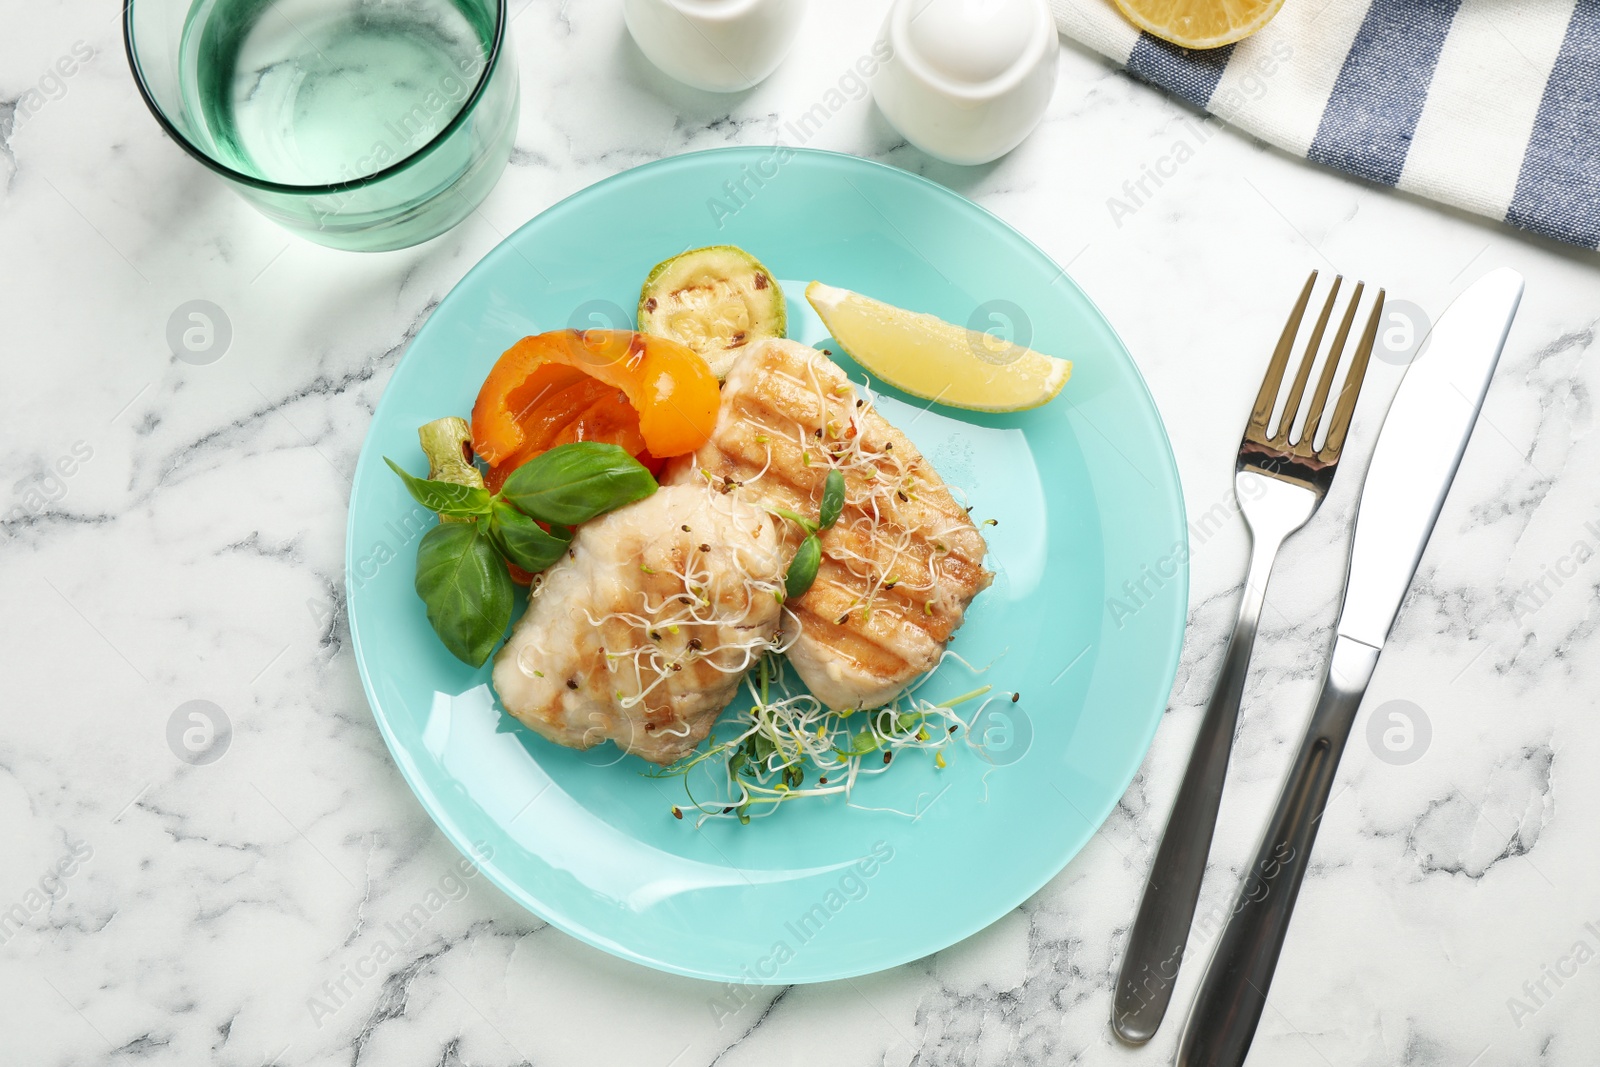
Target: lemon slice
{"points": [[936, 360], [1200, 23]]}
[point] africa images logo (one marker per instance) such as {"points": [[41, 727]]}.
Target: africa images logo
{"points": [[799, 930]]}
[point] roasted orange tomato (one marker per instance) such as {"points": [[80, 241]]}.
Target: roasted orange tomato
{"points": [[650, 395]]}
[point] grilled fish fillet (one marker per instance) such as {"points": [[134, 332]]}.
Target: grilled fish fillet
{"points": [[904, 560], [642, 634]]}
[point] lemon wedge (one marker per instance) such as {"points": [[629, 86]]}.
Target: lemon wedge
{"points": [[1200, 23], [936, 360]]}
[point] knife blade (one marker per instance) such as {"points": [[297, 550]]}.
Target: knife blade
{"points": [[1419, 449]]}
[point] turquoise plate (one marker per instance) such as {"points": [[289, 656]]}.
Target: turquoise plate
{"points": [[1084, 619]]}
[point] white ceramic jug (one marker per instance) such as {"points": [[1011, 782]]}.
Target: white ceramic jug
{"points": [[719, 45], [969, 79]]}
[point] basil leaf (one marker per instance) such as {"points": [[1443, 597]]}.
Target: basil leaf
{"points": [[449, 499], [463, 582], [520, 540], [832, 499], [803, 568], [573, 483]]}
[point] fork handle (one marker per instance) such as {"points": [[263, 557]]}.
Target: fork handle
{"points": [[1161, 930], [1233, 992]]}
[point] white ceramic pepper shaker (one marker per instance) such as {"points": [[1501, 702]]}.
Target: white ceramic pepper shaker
{"points": [[968, 79], [719, 45]]}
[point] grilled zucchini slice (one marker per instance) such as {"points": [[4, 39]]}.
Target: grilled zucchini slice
{"points": [[716, 300]]}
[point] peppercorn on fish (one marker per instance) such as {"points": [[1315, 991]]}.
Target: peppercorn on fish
{"points": [[904, 560], [643, 632]]}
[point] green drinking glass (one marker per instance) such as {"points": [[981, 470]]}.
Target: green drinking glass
{"points": [[361, 124]]}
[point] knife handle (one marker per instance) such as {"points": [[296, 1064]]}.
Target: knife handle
{"points": [[1233, 992]]}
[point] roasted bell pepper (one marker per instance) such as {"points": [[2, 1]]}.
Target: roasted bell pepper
{"points": [[651, 395]]}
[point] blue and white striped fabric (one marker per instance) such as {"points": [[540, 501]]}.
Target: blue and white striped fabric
{"points": [[1490, 105]]}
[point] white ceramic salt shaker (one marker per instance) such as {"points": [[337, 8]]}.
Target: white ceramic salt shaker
{"points": [[968, 79], [719, 45]]}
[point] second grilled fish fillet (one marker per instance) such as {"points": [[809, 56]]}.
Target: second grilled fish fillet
{"points": [[904, 560], [643, 632]]}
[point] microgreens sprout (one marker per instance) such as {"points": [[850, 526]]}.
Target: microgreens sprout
{"points": [[645, 663], [888, 534], [788, 745]]}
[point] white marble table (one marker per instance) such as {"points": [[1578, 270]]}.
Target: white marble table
{"points": [[175, 532]]}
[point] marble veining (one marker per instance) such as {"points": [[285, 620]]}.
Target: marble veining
{"points": [[174, 531]]}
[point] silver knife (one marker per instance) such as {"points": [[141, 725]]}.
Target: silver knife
{"points": [[1418, 450]]}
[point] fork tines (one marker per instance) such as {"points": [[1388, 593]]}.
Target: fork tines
{"points": [[1304, 447]]}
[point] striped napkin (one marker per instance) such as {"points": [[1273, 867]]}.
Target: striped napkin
{"points": [[1490, 105]]}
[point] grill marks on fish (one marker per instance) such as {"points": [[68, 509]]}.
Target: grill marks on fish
{"points": [[904, 560], [641, 636]]}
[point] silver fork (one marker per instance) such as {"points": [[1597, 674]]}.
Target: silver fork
{"points": [[1278, 485]]}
